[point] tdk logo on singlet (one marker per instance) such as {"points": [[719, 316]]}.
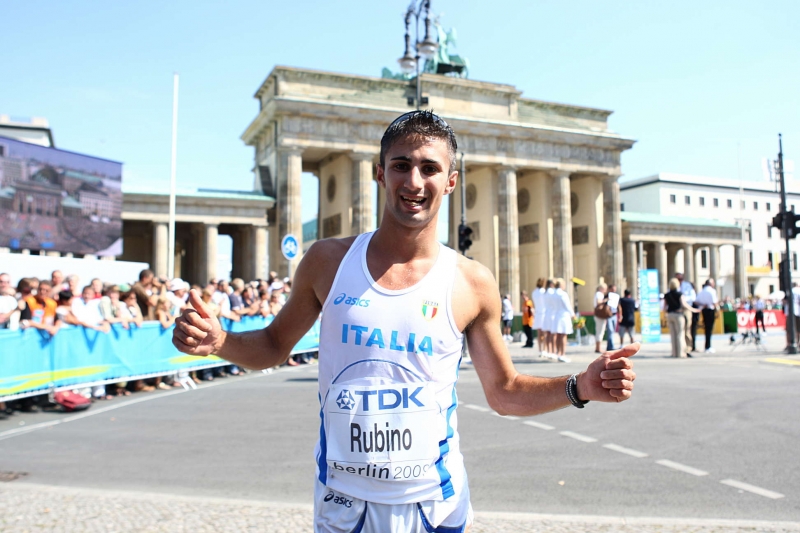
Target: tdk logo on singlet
{"points": [[384, 399], [361, 336], [350, 300]]}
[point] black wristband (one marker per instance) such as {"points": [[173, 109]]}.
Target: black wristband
{"points": [[572, 392]]}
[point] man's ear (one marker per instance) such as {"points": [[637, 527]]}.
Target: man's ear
{"points": [[379, 177], [452, 180]]}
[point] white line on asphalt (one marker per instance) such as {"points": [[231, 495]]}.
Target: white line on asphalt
{"points": [[752, 488], [627, 451], [538, 425], [578, 436], [506, 417], [477, 407], [682, 468]]}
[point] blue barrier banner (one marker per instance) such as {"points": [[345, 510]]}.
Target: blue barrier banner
{"points": [[31, 360], [649, 305]]}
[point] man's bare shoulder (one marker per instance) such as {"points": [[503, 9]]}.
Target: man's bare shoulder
{"points": [[474, 275], [475, 292], [329, 250], [320, 264]]}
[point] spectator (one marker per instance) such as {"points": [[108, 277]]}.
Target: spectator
{"points": [[627, 321], [97, 285], [251, 302], [146, 294], [600, 299], [64, 309], [132, 311], [57, 280], [264, 300], [562, 318], [40, 310], [287, 288], [86, 310], [277, 287], [611, 323], [708, 303], [275, 305], [508, 317], [237, 302], [73, 284], [759, 306], [23, 289], [164, 312], [675, 305], [112, 309], [178, 295], [527, 319], [9, 307], [207, 296]]}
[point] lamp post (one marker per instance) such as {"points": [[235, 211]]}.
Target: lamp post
{"points": [[426, 48]]}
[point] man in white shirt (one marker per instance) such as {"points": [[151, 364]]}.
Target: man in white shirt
{"points": [[707, 301], [611, 323], [796, 303], [689, 331], [508, 317]]}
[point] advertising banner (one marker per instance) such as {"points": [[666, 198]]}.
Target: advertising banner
{"points": [[773, 319], [649, 305], [61, 201], [33, 361]]}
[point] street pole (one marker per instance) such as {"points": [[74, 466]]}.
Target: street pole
{"points": [[463, 192], [788, 226], [171, 246]]}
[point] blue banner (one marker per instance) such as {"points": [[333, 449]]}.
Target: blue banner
{"points": [[34, 361], [649, 305]]}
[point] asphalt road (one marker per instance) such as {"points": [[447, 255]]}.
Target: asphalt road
{"points": [[712, 437]]}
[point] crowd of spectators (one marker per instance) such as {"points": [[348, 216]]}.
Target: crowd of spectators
{"points": [[49, 304]]}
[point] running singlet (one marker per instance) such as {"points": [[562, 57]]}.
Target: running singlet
{"points": [[388, 366]]}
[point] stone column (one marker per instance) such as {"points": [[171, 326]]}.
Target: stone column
{"points": [[713, 263], [259, 252], [740, 272], [562, 229], [631, 270], [208, 259], [160, 245], [688, 263], [289, 213], [660, 252], [612, 232], [361, 193], [508, 233]]}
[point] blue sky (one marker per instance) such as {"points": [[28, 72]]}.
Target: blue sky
{"points": [[700, 85]]}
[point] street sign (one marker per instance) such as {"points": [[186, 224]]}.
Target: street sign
{"points": [[289, 247], [649, 305]]}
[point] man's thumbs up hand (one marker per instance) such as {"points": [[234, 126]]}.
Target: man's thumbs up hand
{"points": [[197, 331]]}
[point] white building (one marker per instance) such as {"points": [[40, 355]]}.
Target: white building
{"points": [[722, 202]]}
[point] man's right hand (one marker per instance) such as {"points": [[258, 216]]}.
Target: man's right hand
{"points": [[197, 331]]}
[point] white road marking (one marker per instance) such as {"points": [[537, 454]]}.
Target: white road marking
{"points": [[578, 436], [682, 468], [752, 488], [538, 425], [506, 417], [477, 407], [627, 451]]}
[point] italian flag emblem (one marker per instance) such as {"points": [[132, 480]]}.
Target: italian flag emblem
{"points": [[429, 309]]}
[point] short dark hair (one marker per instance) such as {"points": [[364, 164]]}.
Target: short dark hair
{"points": [[627, 292], [64, 296], [144, 274], [421, 124]]}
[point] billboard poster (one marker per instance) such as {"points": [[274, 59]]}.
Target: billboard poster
{"points": [[649, 305], [59, 201]]}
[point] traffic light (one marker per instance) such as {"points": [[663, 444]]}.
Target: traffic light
{"points": [[784, 279], [464, 240], [792, 231]]}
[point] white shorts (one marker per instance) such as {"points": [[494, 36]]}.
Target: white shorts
{"points": [[335, 512]]}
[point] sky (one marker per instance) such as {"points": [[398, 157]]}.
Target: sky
{"points": [[703, 87]]}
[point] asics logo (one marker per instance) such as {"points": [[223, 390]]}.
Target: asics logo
{"points": [[350, 300]]}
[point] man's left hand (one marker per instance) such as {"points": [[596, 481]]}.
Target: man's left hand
{"points": [[610, 377]]}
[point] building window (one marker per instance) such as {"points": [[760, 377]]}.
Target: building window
{"points": [[743, 206], [716, 202], [749, 231], [769, 206], [769, 230], [755, 206], [770, 261], [672, 199], [730, 204], [702, 201], [794, 260], [750, 259], [703, 259], [771, 289], [687, 200], [622, 206]]}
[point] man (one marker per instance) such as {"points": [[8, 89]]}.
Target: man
{"points": [[689, 295], [611, 323], [178, 295], [395, 348], [508, 317], [57, 281], [146, 294], [40, 310], [8, 304], [627, 306], [796, 304], [527, 320], [707, 302]]}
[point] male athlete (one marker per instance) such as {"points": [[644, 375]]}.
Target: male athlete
{"points": [[396, 306]]}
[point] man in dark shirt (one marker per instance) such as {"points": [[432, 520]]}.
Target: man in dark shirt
{"points": [[627, 306]]}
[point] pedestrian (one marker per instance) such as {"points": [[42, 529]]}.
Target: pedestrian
{"points": [[539, 313], [687, 290], [601, 314], [549, 321], [708, 303], [413, 302], [562, 319], [759, 306], [527, 320], [611, 324], [627, 322], [675, 305], [508, 317]]}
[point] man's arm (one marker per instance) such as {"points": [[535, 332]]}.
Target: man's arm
{"points": [[609, 378], [198, 332]]}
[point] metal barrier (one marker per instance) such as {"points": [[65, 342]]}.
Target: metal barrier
{"points": [[32, 362]]}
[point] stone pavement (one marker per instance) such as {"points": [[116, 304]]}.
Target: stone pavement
{"points": [[36, 508]]}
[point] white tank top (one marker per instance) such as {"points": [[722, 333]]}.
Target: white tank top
{"points": [[388, 366]]}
